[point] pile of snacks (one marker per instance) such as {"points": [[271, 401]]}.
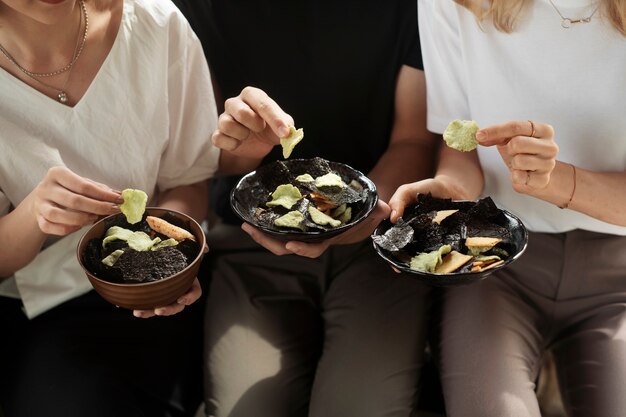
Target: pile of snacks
{"points": [[137, 248], [301, 195], [440, 236]]}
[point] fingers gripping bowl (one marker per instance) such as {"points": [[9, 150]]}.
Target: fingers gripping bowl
{"points": [[156, 279], [307, 200], [444, 242]]}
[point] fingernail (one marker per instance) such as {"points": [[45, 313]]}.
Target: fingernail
{"points": [[115, 208], [393, 214], [182, 301], [480, 135], [159, 311]]}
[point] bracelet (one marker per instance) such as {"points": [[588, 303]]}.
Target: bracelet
{"points": [[566, 205]]}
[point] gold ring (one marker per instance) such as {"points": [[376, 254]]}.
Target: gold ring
{"points": [[532, 128]]}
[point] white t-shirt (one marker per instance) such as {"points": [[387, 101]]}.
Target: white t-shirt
{"points": [[145, 122], [573, 79]]}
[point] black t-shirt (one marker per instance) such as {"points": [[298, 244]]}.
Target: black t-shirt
{"points": [[332, 65]]}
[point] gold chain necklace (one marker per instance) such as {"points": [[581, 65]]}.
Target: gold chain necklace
{"points": [[78, 48], [567, 22]]}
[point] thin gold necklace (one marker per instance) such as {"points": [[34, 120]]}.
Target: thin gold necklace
{"points": [[80, 43], [567, 22]]}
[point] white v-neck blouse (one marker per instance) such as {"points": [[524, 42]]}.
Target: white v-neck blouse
{"points": [[145, 122]]}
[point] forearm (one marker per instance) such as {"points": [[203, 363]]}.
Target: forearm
{"points": [[461, 172], [192, 200], [22, 239], [601, 195], [404, 162]]}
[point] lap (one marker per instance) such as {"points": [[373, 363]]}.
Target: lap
{"points": [[337, 327], [87, 357], [490, 351]]}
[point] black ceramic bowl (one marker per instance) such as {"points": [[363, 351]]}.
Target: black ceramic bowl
{"points": [[253, 191], [516, 245]]}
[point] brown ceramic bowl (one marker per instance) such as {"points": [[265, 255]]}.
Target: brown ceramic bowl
{"points": [[148, 295]]}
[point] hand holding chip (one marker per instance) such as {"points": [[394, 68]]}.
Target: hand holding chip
{"points": [[527, 148], [63, 202], [251, 125]]}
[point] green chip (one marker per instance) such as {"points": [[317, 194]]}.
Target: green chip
{"points": [[290, 142], [113, 257], [329, 180], [322, 219], [285, 195], [140, 241], [305, 178], [134, 205], [293, 220], [428, 261], [165, 243], [461, 135]]}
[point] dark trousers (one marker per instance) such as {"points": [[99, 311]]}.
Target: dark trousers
{"points": [[567, 293], [341, 335], [89, 358]]}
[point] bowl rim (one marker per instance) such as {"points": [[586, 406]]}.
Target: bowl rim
{"points": [[198, 257], [318, 235], [431, 276]]}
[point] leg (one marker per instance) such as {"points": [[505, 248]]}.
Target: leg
{"points": [[591, 363], [87, 357], [490, 352], [264, 332], [374, 339], [590, 348]]}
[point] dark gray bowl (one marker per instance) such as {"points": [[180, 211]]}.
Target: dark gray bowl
{"points": [[516, 246], [252, 192]]}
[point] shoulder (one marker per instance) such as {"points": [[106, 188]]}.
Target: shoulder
{"points": [[162, 13]]}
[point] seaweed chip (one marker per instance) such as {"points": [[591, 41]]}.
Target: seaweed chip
{"points": [[290, 142], [461, 135], [134, 205]]}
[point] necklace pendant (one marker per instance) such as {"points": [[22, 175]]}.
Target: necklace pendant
{"points": [[566, 23], [62, 97]]}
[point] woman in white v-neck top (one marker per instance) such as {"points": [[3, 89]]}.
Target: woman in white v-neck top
{"points": [[95, 97], [546, 81]]}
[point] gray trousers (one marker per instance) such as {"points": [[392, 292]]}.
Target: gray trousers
{"points": [[337, 336], [566, 293]]}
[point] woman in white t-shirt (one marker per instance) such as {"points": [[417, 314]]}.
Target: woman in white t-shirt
{"points": [[95, 96], [546, 79]]}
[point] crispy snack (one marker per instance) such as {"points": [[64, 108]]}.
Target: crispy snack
{"points": [[477, 245], [159, 225], [451, 262], [442, 214], [285, 195], [290, 142], [134, 205], [461, 135], [322, 202]]}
